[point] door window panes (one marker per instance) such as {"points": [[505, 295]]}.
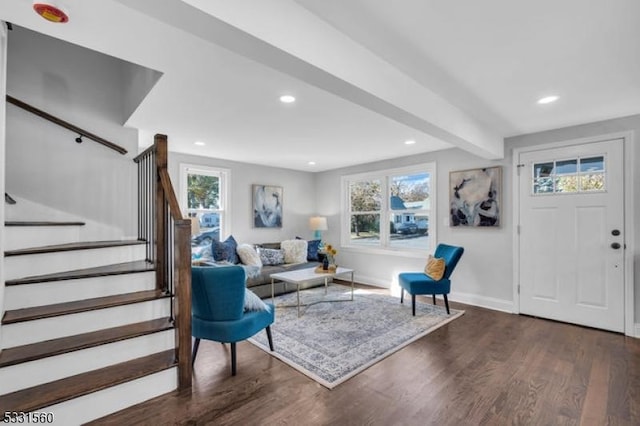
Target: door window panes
{"points": [[569, 176], [594, 164], [566, 167], [542, 170]]}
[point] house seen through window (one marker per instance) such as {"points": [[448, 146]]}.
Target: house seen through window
{"points": [[204, 198], [390, 209]]}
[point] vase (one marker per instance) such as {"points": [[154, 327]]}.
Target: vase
{"points": [[325, 263]]}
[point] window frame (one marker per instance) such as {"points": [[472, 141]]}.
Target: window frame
{"points": [[385, 210], [224, 176]]}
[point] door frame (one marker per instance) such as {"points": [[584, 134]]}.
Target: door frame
{"points": [[628, 200]]}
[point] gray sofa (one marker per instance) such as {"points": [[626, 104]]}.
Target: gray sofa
{"points": [[261, 284], [259, 281]]}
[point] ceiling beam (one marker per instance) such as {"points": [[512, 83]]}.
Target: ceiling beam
{"points": [[285, 36]]}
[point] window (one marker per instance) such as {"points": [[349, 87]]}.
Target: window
{"points": [[390, 209], [204, 196], [576, 175]]}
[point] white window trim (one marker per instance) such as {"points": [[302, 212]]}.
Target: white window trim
{"points": [[345, 219], [225, 193]]}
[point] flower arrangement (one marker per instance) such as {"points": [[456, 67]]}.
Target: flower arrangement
{"points": [[330, 253]]}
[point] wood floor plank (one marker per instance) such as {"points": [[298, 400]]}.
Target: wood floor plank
{"points": [[82, 384], [597, 392], [48, 311], [486, 367]]}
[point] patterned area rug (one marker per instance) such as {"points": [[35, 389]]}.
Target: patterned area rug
{"points": [[333, 341]]}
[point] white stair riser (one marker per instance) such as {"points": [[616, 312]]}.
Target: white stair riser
{"points": [[27, 332], [49, 263], [39, 294], [26, 375], [20, 237], [99, 404]]}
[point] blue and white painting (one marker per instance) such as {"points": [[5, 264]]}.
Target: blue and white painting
{"points": [[475, 197], [267, 206]]}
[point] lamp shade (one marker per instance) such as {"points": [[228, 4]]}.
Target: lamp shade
{"points": [[318, 223]]}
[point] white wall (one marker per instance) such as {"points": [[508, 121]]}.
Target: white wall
{"points": [[298, 197], [479, 279], [44, 163], [3, 74], [485, 274]]}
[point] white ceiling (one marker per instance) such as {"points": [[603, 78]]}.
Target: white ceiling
{"points": [[368, 74]]}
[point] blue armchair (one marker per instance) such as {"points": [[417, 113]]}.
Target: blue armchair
{"points": [[217, 309], [420, 283]]}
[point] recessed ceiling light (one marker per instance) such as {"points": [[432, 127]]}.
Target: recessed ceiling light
{"points": [[409, 142], [287, 99], [311, 163], [199, 143], [548, 99]]}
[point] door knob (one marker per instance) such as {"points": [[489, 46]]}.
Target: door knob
{"points": [[615, 232], [615, 246]]}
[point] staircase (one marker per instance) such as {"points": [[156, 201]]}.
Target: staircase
{"points": [[85, 331]]}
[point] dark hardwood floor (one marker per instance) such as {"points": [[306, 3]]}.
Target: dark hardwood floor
{"points": [[487, 367]]}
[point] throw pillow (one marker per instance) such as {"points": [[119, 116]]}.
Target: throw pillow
{"points": [[295, 251], [253, 303], [201, 253], [435, 268], [248, 255], [271, 256], [275, 246], [313, 246], [225, 250]]}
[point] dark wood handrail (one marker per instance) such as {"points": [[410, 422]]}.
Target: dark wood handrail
{"points": [[65, 124], [170, 195], [144, 153]]}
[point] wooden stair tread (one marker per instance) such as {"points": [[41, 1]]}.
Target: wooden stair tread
{"points": [[47, 394], [47, 311], [34, 351], [41, 223], [100, 271], [84, 245]]}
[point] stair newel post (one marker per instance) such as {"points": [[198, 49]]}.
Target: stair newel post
{"points": [[182, 248], [161, 246]]}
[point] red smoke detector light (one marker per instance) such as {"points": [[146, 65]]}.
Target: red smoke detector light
{"points": [[50, 13]]}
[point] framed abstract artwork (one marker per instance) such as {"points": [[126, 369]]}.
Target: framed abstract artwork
{"points": [[267, 206], [475, 197]]}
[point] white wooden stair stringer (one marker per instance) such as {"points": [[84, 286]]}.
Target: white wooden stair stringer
{"points": [[71, 273]]}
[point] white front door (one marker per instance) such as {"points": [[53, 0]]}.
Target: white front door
{"points": [[572, 234]]}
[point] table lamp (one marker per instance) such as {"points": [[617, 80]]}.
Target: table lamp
{"points": [[318, 224]]}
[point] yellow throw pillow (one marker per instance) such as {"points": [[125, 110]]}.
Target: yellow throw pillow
{"points": [[435, 268]]}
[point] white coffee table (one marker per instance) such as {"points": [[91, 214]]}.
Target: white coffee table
{"points": [[309, 275]]}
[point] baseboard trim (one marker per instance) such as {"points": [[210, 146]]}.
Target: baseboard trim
{"points": [[483, 301], [362, 279], [466, 298]]}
